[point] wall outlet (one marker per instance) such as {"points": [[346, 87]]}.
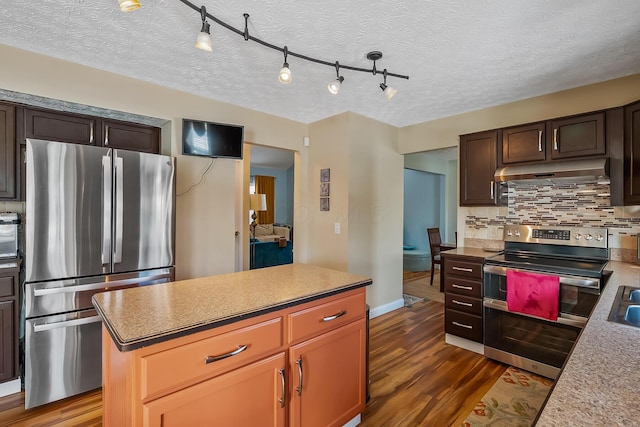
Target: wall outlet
{"points": [[336, 228]]}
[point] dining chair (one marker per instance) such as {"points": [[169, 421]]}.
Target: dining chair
{"points": [[434, 245]]}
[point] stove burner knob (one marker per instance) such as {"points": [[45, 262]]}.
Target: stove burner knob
{"points": [[509, 233], [578, 236], [588, 237], [517, 233], [599, 237]]}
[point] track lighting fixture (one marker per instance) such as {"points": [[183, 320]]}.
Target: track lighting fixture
{"points": [[204, 42], [334, 85], [388, 90], [285, 72], [204, 36], [129, 5]]}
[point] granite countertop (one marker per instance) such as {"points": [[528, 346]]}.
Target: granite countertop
{"points": [[598, 385], [137, 317], [472, 252]]}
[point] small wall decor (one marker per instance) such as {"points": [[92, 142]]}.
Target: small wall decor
{"points": [[324, 189], [325, 177]]}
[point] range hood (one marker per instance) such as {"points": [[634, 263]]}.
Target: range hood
{"points": [[567, 171]]}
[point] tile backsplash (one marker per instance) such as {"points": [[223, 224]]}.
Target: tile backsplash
{"points": [[570, 205]]}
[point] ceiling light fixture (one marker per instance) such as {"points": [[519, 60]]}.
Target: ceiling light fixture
{"points": [[204, 36], [334, 85], [388, 90], [285, 72], [129, 5]]}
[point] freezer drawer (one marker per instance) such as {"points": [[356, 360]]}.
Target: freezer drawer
{"points": [[63, 356], [60, 296]]}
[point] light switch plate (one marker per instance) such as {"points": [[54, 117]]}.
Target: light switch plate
{"points": [[336, 228]]}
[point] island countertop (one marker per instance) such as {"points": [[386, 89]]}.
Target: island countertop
{"points": [[141, 316], [598, 384]]}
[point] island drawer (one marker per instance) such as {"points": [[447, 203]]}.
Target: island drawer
{"points": [[209, 357], [316, 320]]}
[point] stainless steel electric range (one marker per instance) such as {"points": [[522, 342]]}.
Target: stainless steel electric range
{"points": [[577, 256]]}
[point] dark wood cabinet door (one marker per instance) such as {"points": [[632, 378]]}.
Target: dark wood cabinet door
{"points": [[131, 136], [632, 154], [523, 143], [8, 341], [61, 127], [577, 136], [7, 152], [478, 160]]}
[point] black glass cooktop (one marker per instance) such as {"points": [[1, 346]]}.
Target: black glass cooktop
{"points": [[550, 264]]}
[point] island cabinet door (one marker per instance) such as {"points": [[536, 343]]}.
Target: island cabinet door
{"points": [[328, 377], [254, 395]]}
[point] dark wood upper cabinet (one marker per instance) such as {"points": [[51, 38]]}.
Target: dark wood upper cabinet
{"points": [[632, 154], [478, 162], [7, 152], [523, 143], [129, 136], [577, 136], [62, 127]]}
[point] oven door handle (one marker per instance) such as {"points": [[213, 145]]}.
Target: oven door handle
{"points": [[563, 319], [583, 282]]}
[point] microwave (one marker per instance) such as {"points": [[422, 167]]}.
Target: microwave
{"points": [[9, 235]]}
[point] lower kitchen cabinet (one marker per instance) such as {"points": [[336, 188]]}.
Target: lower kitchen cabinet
{"points": [[253, 395], [463, 296], [9, 270], [328, 377], [299, 366]]}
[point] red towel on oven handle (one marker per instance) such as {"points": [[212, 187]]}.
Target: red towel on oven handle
{"points": [[534, 294]]}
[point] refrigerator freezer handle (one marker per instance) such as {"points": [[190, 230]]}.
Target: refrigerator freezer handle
{"points": [[106, 209], [117, 255]]}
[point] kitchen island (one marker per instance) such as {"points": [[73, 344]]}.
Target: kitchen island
{"points": [[598, 384], [274, 346]]}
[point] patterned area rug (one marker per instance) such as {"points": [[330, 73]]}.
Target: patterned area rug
{"points": [[513, 401]]}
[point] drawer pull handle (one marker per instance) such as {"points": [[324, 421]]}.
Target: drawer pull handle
{"points": [[334, 317], [284, 389], [467, 288], [468, 270], [466, 304], [211, 359], [299, 363], [462, 325]]}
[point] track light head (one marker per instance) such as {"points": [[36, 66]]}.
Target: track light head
{"points": [[389, 92], [129, 5], [285, 73], [203, 41], [334, 85]]}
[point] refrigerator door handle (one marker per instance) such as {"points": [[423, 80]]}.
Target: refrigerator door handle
{"points": [[117, 254], [102, 285], [106, 209], [66, 324]]}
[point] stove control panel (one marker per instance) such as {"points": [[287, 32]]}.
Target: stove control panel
{"points": [[568, 236]]}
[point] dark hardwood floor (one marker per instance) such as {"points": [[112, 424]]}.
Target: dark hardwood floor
{"points": [[416, 379]]}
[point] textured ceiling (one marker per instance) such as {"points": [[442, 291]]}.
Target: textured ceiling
{"points": [[461, 55]]}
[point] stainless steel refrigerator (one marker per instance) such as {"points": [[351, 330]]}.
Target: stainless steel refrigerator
{"points": [[97, 219]]}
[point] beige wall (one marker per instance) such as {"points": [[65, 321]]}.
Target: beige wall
{"points": [[376, 194]]}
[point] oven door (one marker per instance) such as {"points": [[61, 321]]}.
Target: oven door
{"points": [[578, 295], [530, 343]]}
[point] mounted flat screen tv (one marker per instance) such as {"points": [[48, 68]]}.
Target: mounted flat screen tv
{"points": [[210, 139]]}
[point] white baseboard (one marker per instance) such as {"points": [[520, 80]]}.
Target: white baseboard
{"points": [[386, 308], [354, 421], [476, 347], [10, 387]]}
